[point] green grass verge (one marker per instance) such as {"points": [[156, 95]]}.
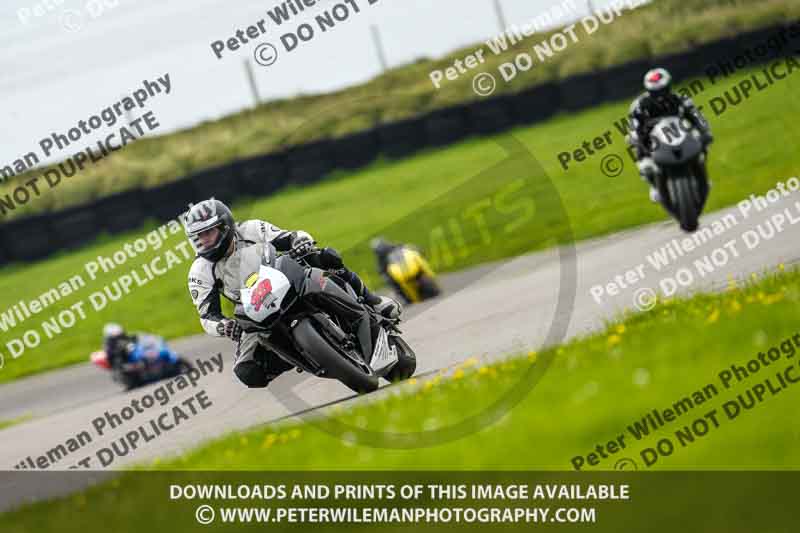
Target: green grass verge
{"points": [[402, 92], [594, 388], [413, 200], [14, 421]]}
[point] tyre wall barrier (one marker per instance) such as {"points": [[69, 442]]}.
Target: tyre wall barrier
{"points": [[447, 126], [29, 238], [36, 237], [263, 175], [120, 212], [402, 138], [355, 150], [72, 227]]}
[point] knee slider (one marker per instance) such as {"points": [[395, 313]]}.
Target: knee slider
{"points": [[648, 167], [252, 374]]}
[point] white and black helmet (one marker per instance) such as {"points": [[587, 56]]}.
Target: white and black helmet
{"points": [[112, 331], [658, 82], [202, 217]]}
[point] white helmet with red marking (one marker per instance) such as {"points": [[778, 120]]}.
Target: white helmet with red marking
{"points": [[658, 82]]}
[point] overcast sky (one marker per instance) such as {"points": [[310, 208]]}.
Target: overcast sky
{"points": [[72, 61]]}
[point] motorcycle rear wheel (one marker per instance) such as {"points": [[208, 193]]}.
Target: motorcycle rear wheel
{"points": [[428, 288], [128, 380], [183, 366]]}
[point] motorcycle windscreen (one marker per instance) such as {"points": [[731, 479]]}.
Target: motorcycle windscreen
{"points": [[676, 141], [670, 132]]}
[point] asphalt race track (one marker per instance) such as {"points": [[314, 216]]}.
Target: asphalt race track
{"points": [[499, 310]]}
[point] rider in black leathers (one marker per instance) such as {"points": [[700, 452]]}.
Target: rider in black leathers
{"points": [[382, 250], [659, 101], [117, 344]]}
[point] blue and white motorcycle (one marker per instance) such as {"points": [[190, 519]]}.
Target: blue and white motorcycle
{"points": [[149, 359]]}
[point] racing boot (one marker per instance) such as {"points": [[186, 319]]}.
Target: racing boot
{"points": [[382, 305], [388, 307], [330, 259], [648, 171]]}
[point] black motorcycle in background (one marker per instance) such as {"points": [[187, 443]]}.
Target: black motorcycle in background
{"points": [[679, 155]]}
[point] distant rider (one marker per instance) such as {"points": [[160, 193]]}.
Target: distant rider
{"points": [[217, 240], [117, 344], [659, 101], [122, 347], [383, 249]]}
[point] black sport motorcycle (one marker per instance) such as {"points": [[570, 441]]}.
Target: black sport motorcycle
{"points": [[679, 154], [313, 320]]}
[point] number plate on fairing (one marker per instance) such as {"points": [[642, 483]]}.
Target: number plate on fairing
{"points": [[264, 293], [670, 131]]}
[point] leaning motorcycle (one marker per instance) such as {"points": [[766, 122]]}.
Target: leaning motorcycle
{"points": [[150, 360], [412, 275], [679, 155], [314, 320]]}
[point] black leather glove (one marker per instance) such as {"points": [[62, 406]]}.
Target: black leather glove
{"points": [[301, 246], [230, 328]]}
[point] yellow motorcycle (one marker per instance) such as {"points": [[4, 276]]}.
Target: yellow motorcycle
{"points": [[411, 275]]}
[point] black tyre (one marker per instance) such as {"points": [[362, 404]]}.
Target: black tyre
{"points": [[337, 365], [128, 380], [182, 367], [428, 288], [406, 361], [684, 197]]}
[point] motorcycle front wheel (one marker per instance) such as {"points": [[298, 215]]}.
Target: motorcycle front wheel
{"points": [[128, 380], [428, 288], [406, 361], [337, 365], [683, 194]]}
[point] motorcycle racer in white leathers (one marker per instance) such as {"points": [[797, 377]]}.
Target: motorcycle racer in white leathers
{"points": [[217, 239]]}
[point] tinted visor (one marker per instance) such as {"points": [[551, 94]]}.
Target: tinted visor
{"points": [[195, 225]]}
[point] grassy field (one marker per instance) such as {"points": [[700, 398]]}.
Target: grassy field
{"points": [[404, 92], [416, 200], [650, 360], [593, 390]]}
